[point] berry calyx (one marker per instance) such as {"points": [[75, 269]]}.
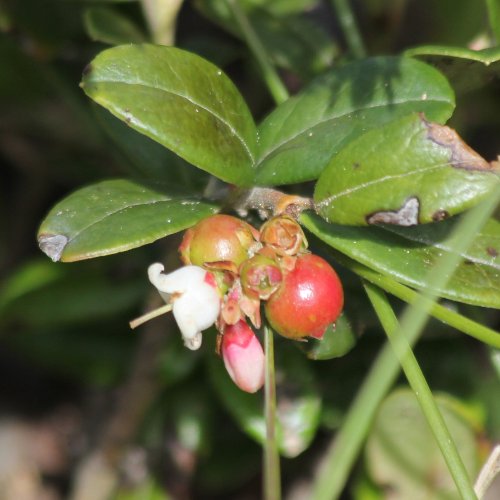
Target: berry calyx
{"points": [[309, 299], [243, 357], [283, 235], [217, 239], [260, 277]]}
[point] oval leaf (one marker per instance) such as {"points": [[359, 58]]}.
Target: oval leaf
{"points": [[465, 68], [179, 100], [107, 25], [402, 454], [297, 140], [337, 341], [114, 216], [409, 259], [407, 172]]}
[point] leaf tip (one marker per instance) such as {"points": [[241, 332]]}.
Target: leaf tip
{"points": [[52, 245]]}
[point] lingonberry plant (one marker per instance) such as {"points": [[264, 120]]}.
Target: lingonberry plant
{"points": [[358, 171]]}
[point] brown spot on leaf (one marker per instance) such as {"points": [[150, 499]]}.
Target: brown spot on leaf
{"points": [[440, 215], [461, 155], [87, 70], [407, 215], [492, 252], [52, 245], [356, 165]]}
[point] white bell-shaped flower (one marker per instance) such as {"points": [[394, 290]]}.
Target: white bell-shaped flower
{"points": [[192, 291]]}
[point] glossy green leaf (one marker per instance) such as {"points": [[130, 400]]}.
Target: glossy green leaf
{"points": [[297, 140], [115, 216], [411, 254], [402, 454], [465, 68], [299, 403], [338, 340], [180, 100], [107, 25], [146, 159], [407, 172]]}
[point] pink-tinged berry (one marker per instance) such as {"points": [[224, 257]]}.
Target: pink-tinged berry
{"points": [[243, 357], [217, 239], [284, 235], [260, 277], [309, 299], [194, 296]]}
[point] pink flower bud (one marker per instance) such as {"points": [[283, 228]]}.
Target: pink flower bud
{"points": [[243, 357], [194, 296]]}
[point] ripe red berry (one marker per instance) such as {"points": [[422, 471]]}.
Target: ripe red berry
{"points": [[309, 299], [219, 238]]}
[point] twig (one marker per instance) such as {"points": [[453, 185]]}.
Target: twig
{"points": [[272, 476], [488, 472]]}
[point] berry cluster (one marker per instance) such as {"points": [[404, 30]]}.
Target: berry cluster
{"points": [[229, 269]]}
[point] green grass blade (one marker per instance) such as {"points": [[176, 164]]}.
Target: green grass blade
{"points": [[345, 446], [417, 381]]}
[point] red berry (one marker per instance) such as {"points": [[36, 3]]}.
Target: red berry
{"points": [[309, 299], [220, 238]]}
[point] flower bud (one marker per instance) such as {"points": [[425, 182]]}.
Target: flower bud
{"points": [[219, 238], [243, 357], [260, 277], [283, 235], [193, 293]]}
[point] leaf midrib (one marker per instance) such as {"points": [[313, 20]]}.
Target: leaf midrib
{"points": [[114, 212], [277, 147], [235, 132]]}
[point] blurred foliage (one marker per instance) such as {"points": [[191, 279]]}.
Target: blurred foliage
{"points": [[64, 335]]}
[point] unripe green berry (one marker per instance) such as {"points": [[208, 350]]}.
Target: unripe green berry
{"points": [[260, 277], [219, 238]]}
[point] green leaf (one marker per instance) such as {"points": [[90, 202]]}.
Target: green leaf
{"points": [[181, 101], [406, 172], [337, 341], [401, 453], [293, 41], [466, 69], [147, 489], [107, 25], [145, 158], [78, 297], [297, 140], [114, 216], [299, 404], [96, 354], [411, 254]]}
